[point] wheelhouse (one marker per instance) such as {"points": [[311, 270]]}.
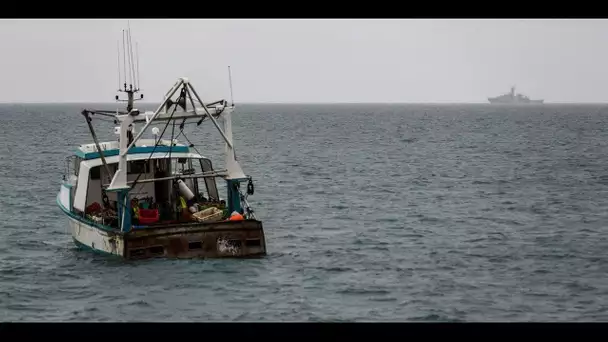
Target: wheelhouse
{"points": [[154, 172]]}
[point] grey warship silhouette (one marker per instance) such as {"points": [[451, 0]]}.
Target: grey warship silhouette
{"points": [[512, 98]]}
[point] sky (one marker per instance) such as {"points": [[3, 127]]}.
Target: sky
{"points": [[302, 61]]}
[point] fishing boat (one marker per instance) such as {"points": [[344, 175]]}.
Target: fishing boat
{"points": [[142, 197]]}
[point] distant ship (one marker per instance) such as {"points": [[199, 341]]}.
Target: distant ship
{"points": [[512, 98]]}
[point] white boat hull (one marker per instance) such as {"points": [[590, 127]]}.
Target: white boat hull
{"points": [[215, 239], [88, 237]]}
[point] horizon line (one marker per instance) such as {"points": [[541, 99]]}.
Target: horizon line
{"points": [[317, 103]]}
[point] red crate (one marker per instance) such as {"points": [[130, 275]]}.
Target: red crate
{"points": [[147, 216]]}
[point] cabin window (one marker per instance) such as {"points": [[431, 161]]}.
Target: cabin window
{"points": [[77, 161], [161, 165], [138, 166], [95, 173], [186, 167], [209, 183]]}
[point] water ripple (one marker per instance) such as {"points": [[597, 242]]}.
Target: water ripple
{"points": [[372, 213]]}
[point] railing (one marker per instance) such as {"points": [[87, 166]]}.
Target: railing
{"points": [[69, 165]]}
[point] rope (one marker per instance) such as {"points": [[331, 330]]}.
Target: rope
{"points": [[172, 138], [245, 204], [188, 140]]}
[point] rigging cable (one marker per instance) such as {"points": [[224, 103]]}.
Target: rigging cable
{"points": [[156, 144], [188, 140]]}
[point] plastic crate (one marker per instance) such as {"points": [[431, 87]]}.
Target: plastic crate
{"points": [[148, 216], [209, 214]]}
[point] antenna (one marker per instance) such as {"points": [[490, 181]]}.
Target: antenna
{"points": [[131, 55], [124, 60], [137, 57], [230, 81], [133, 72], [118, 65]]}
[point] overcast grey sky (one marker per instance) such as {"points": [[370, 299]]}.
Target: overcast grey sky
{"points": [[310, 60]]}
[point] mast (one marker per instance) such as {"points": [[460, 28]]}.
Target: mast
{"points": [[131, 68], [230, 82]]}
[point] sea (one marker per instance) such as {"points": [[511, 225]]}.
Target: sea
{"points": [[372, 212]]}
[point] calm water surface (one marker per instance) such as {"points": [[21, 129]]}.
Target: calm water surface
{"points": [[372, 213]]}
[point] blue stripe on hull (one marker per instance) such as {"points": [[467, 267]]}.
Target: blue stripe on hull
{"points": [[87, 248], [133, 150]]}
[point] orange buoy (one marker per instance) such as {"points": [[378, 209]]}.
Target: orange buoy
{"points": [[236, 216]]}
